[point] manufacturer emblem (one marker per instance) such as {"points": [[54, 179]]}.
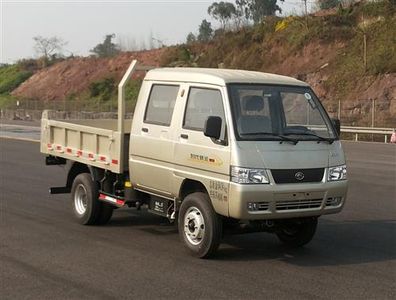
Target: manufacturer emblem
{"points": [[299, 176]]}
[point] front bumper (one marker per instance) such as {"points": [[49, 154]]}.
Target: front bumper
{"points": [[284, 201]]}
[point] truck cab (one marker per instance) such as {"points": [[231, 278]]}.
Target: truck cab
{"points": [[261, 146], [216, 149]]}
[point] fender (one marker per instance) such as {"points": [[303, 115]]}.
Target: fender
{"points": [[74, 169]]}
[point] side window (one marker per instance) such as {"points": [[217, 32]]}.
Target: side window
{"points": [[160, 105], [201, 104]]}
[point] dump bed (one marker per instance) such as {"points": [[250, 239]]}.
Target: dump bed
{"points": [[100, 143], [92, 142]]}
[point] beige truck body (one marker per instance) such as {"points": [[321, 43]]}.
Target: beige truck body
{"points": [[160, 158]]}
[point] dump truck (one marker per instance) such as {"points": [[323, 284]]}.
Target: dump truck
{"points": [[211, 150]]}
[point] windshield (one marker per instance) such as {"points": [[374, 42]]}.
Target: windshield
{"points": [[270, 112]]}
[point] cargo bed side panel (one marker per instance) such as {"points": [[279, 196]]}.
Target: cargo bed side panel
{"points": [[99, 147]]}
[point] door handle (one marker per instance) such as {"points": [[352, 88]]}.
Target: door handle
{"points": [[184, 136], [144, 129]]}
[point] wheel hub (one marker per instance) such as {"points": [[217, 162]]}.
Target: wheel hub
{"points": [[194, 226], [80, 199]]}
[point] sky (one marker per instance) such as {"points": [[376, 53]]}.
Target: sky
{"points": [[83, 24]]}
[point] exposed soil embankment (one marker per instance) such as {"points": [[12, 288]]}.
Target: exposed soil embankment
{"points": [[74, 76]]}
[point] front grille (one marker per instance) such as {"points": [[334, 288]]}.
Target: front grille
{"points": [[294, 175], [298, 204]]}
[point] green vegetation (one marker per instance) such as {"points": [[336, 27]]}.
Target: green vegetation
{"points": [[222, 12], [103, 89], [191, 38], [266, 45], [205, 31], [11, 76], [102, 95], [6, 101], [107, 48]]}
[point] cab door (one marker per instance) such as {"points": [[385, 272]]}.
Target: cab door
{"points": [[152, 143], [198, 157]]}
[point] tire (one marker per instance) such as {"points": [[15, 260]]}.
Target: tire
{"points": [[85, 204], [200, 227], [297, 233]]}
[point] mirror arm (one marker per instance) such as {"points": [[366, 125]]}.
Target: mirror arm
{"points": [[220, 142]]}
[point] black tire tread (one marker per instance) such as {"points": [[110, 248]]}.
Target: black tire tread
{"points": [[305, 234], [212, 220], [98, 213]]}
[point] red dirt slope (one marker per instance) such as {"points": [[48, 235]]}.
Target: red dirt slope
{"points": [[74, 76]]}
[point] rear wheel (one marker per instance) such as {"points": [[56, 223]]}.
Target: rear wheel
{"points": [[200, 227], [86, 206], [297, 233]]}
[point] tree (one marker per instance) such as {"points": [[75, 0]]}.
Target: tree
{"points": [[261, 8], [242, 14], [222, 11], [191, 38], [48, 47], [107, 48], [205, 31]]}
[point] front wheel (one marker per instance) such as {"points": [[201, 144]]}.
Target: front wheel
{"points": [[200, 227], [297, 233]]}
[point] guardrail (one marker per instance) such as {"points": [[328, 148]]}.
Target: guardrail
{"points": [[367, 130]]}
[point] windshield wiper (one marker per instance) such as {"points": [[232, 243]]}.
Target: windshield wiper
{"points": [[284, 138], [320, 138]]}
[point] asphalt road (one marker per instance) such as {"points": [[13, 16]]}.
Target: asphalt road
{"points": [[44, 254], [20, 131]]}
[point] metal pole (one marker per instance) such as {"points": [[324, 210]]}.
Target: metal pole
{"points": [[339, 110], [121, 108], [372, 112], [121, 96]]}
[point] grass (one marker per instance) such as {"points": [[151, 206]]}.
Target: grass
{"points": [[11, 76], [7, 101]]}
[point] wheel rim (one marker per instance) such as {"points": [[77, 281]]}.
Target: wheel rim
{"points": [[194, 226], [80, 199]]}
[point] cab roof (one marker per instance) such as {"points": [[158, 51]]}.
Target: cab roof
{"points": [[219, 76]]}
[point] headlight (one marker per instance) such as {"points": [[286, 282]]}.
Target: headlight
{"points": [[249, 176], [337, 173]]}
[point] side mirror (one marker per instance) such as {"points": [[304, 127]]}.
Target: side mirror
{"points": [[337, 126], [213, 127]]}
